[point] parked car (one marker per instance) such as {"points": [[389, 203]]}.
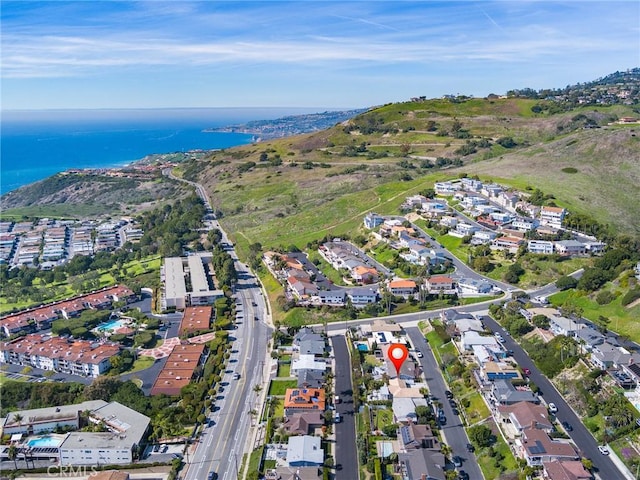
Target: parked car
{"points": [[457, 461], [462, 475], [552, 407], [470, 448], [236, 376], [419, 354], [448, 394], [526, 371], [604, 450], [567, 426]]}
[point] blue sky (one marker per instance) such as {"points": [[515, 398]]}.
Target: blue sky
{"points": [[333, 54]]}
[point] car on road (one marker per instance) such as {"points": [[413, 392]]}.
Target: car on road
{"points": [[552, 407], [236, 376], [212, 476], [448, 394], [470, 448], [526, 371], [567, 426], [337, 418], [452, 402], [603, 449], [462, 475], [457, 461]]}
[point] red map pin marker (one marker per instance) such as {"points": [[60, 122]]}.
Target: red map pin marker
{"points": [[397, 353]]}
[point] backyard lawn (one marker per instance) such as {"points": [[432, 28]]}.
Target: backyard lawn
{"points": [[284, 370], [487, 460], [279, 387], [383, 417]]}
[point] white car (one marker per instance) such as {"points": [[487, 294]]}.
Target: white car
{"points": [[604, 450], [553, 408], [419, 354]]}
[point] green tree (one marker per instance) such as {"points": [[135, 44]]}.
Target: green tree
{"points": [[481, 435], [390, 430], [12, 454], [565, 283], [482, 264]]}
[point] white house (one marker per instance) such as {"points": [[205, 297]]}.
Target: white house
{"points": [[305, 451], [372, 220], [446, 188], [331, 297], [553, 216], [307, 362], [540, 246], [470, 286], [362, 296], [472, 338], [524, 224]]}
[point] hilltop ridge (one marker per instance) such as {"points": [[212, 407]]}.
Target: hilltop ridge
{"points": [[317, 182]]}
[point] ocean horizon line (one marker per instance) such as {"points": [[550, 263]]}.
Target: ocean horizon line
{"points": [[110, 109]]}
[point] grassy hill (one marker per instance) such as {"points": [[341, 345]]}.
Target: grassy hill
{"points": [[298, 189]]}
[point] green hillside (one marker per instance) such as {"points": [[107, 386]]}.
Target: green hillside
{"points": [[298, 189]]}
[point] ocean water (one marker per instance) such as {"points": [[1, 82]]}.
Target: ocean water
{"points": [[37, 144]]}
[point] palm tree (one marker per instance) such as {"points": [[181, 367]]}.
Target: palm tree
{"points": [[12, 454], [18, 418]]}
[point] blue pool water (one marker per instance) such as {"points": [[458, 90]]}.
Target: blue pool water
{"points": [[363, 347], [44, 441], [113, 325]]}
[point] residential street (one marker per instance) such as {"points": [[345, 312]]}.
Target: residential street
{"points": [[454, 433], [345, 448], [583, 439]]}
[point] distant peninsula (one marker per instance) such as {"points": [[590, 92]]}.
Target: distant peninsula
{"points": [[290, 125]]}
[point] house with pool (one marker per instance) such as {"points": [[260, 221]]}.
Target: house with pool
{"points": [[123, 429]]}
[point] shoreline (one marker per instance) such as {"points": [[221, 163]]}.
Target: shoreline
{"points": [[127, 164]]}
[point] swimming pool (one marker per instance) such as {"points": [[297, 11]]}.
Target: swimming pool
{"points": [[111, 326], [51, 441]]}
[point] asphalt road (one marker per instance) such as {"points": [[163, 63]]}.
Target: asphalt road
{"points": [[224, 439], [345, 431], [454, 432], [583, 439]]}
